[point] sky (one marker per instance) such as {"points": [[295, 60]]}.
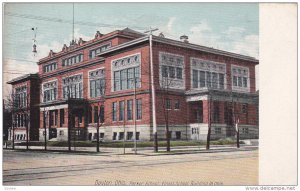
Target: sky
{"points": [[232, 27]]}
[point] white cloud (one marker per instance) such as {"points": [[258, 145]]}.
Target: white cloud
{"points": [[248, 45], [170, 24], [203, 34], [233, 39]]}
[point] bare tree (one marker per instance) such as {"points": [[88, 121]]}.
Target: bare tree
{"points": [[165, 84]]}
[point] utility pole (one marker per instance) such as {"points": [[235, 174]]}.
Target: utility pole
{"points": [[124, 127], [27, 119], [135, 113], [45, 129], [153, 91], [209, 122]]}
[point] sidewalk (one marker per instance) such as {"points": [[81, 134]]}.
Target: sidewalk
{"points": [[142, 150]]}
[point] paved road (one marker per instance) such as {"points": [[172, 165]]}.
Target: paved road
{"points": [[219, 168]]}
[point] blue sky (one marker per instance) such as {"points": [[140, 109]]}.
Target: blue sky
{"points": [[232, 27]]}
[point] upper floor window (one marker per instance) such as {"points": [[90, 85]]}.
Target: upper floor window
{"points": [[168, 103], [50, 91], [98, 50], [114, 111], [20, 97], [50, 67], [171, 72], [126, 73], [207, 74], [240, 78], [138, 103], [72, 87], [177, 104], [72, 60], [97, 82]]}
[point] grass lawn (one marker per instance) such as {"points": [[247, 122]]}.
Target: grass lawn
{"points": [[120, 144]]}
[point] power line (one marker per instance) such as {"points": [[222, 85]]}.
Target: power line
{"points": [[52, 19]]}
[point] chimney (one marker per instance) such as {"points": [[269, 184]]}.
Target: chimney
{"points": [[184, 38]]}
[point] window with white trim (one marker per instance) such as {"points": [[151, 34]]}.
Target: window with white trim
{"points": [[49, 91], [98, 50], [97, 83], [207, 74], [240, 78], [73, 87], [72, 60], [20, 97], [126, 73], [49, 67]]}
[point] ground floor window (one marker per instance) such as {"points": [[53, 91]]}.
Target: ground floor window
{"points": [[245, 130], [114, 136], [121, 135], [61, 132], [137, 135], [101, 135], [129, 135], [218, 130], [178, 135]]}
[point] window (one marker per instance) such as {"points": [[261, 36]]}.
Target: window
{"points": [[90, 114], [114, 111], [195, 79], [234, 81], [72, 60], [97, 83], [62, 117], [129, 109], [101, 135], [50, 91], [178, 135], [168, 103], [61, 132], [138, 109], [221, 81], [245, 82], [96, 114], [72, 87], [98, 50], [216, 113], [214, 80], [49, 67], [177, 104], [114, 136], [202, 79], [240, 81], [121, 135], [179, 73], [137, 135], [101, 115], [121, 110], [171, 72], [245, 130], [123, 74], [20, 99], [245, 108], [117, 81], [208, 79], [129, 135], [240, 77], [218, 130], [124, 79], [164, 71]]}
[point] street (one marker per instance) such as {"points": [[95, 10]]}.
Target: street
{"points": [[56, 168]]}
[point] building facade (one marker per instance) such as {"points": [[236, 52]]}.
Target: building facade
{"points": [[106, 83]]}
